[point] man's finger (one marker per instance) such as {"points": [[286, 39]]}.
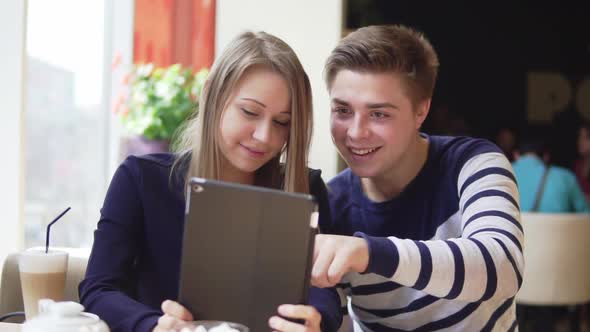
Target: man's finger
{"points": [[337, 269], [319, 271], [174, 309], [319, 241]]}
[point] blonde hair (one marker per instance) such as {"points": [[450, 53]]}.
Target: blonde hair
{"points": [[197, 147], [388, 48]]}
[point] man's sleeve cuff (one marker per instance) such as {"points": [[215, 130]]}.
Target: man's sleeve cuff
{"points": [[383, 255]]}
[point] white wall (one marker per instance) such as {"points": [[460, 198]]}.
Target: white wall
{"points": [[12, 35], [312, 28]]}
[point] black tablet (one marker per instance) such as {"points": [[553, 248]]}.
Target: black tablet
{"points": [[246, 250]]}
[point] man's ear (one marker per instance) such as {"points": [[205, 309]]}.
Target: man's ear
{"points": [[422, 110]]}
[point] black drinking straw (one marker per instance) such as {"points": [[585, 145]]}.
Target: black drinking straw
{"points": [[49, 228]]}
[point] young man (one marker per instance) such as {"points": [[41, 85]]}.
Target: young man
{"points": [[427, 229]]}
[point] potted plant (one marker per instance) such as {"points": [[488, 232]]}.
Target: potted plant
{"points": [[159, 101]]}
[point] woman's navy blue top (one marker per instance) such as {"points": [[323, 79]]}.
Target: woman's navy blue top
{"points": [[135, 261]]}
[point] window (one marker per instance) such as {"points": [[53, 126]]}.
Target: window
{"points": [[66, 119]]}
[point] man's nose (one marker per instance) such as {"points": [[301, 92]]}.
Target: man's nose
{"points": [[358, 128]]}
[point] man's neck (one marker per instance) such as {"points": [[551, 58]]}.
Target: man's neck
{"points": [[391, 184]]}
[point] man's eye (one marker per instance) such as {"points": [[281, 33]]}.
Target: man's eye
{"points": [[248, 112], [379, 115], [342, 110]]}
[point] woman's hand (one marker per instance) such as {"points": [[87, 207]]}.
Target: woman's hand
{"points": [[307, 313], [175, 317]]}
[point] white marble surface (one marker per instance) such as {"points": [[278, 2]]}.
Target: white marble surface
{"points": [[10, 327]]}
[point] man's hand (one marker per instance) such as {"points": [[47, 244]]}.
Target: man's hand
{"points": [[309, 314], [175, 317], [335, 255]]}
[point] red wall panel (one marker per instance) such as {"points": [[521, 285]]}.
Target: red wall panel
{"points": [[174, 31]]}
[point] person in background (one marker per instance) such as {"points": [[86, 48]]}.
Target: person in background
{"points": [[544, 187], [425, 232], [582, 167], [255, 110], [506, 140], [442, 121], [563, 131]]}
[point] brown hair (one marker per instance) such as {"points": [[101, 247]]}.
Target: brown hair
{"points": [[388, 48], [198, 144]]}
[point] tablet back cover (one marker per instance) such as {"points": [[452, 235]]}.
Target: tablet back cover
{"points": [[246, 250]]}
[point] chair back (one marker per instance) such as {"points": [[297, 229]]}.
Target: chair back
{"points": [[11, 299], [557, 259]]}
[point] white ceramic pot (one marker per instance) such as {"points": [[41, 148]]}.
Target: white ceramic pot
{"points": [[64, 317]]}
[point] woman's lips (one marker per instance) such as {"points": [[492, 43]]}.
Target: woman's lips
{"points": [[253, 152]]}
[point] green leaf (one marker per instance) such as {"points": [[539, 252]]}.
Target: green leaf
{"points": [[161, 99]]}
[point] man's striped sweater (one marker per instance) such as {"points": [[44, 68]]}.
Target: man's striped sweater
{"points": [[445, 254]]}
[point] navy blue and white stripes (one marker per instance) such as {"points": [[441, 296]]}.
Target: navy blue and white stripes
{"points": [[464, 267]]}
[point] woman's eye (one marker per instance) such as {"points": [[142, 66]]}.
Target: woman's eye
{"points": [[248, 112], [282, 123]]}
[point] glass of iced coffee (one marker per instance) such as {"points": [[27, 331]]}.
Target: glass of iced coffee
{"points": [[42, 276]]}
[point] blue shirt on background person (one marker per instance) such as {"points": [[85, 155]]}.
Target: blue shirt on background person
{"points": [[561, 193]]}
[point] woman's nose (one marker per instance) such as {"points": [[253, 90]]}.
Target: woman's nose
{"points": [[263, 132]]}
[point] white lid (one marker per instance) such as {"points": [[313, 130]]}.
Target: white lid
{"points": [[63, 317]]}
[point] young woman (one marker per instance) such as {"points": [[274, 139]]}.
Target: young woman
{"points": [[253, 127]]}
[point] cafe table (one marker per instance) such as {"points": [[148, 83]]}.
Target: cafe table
{"points": [[10, 327]]}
